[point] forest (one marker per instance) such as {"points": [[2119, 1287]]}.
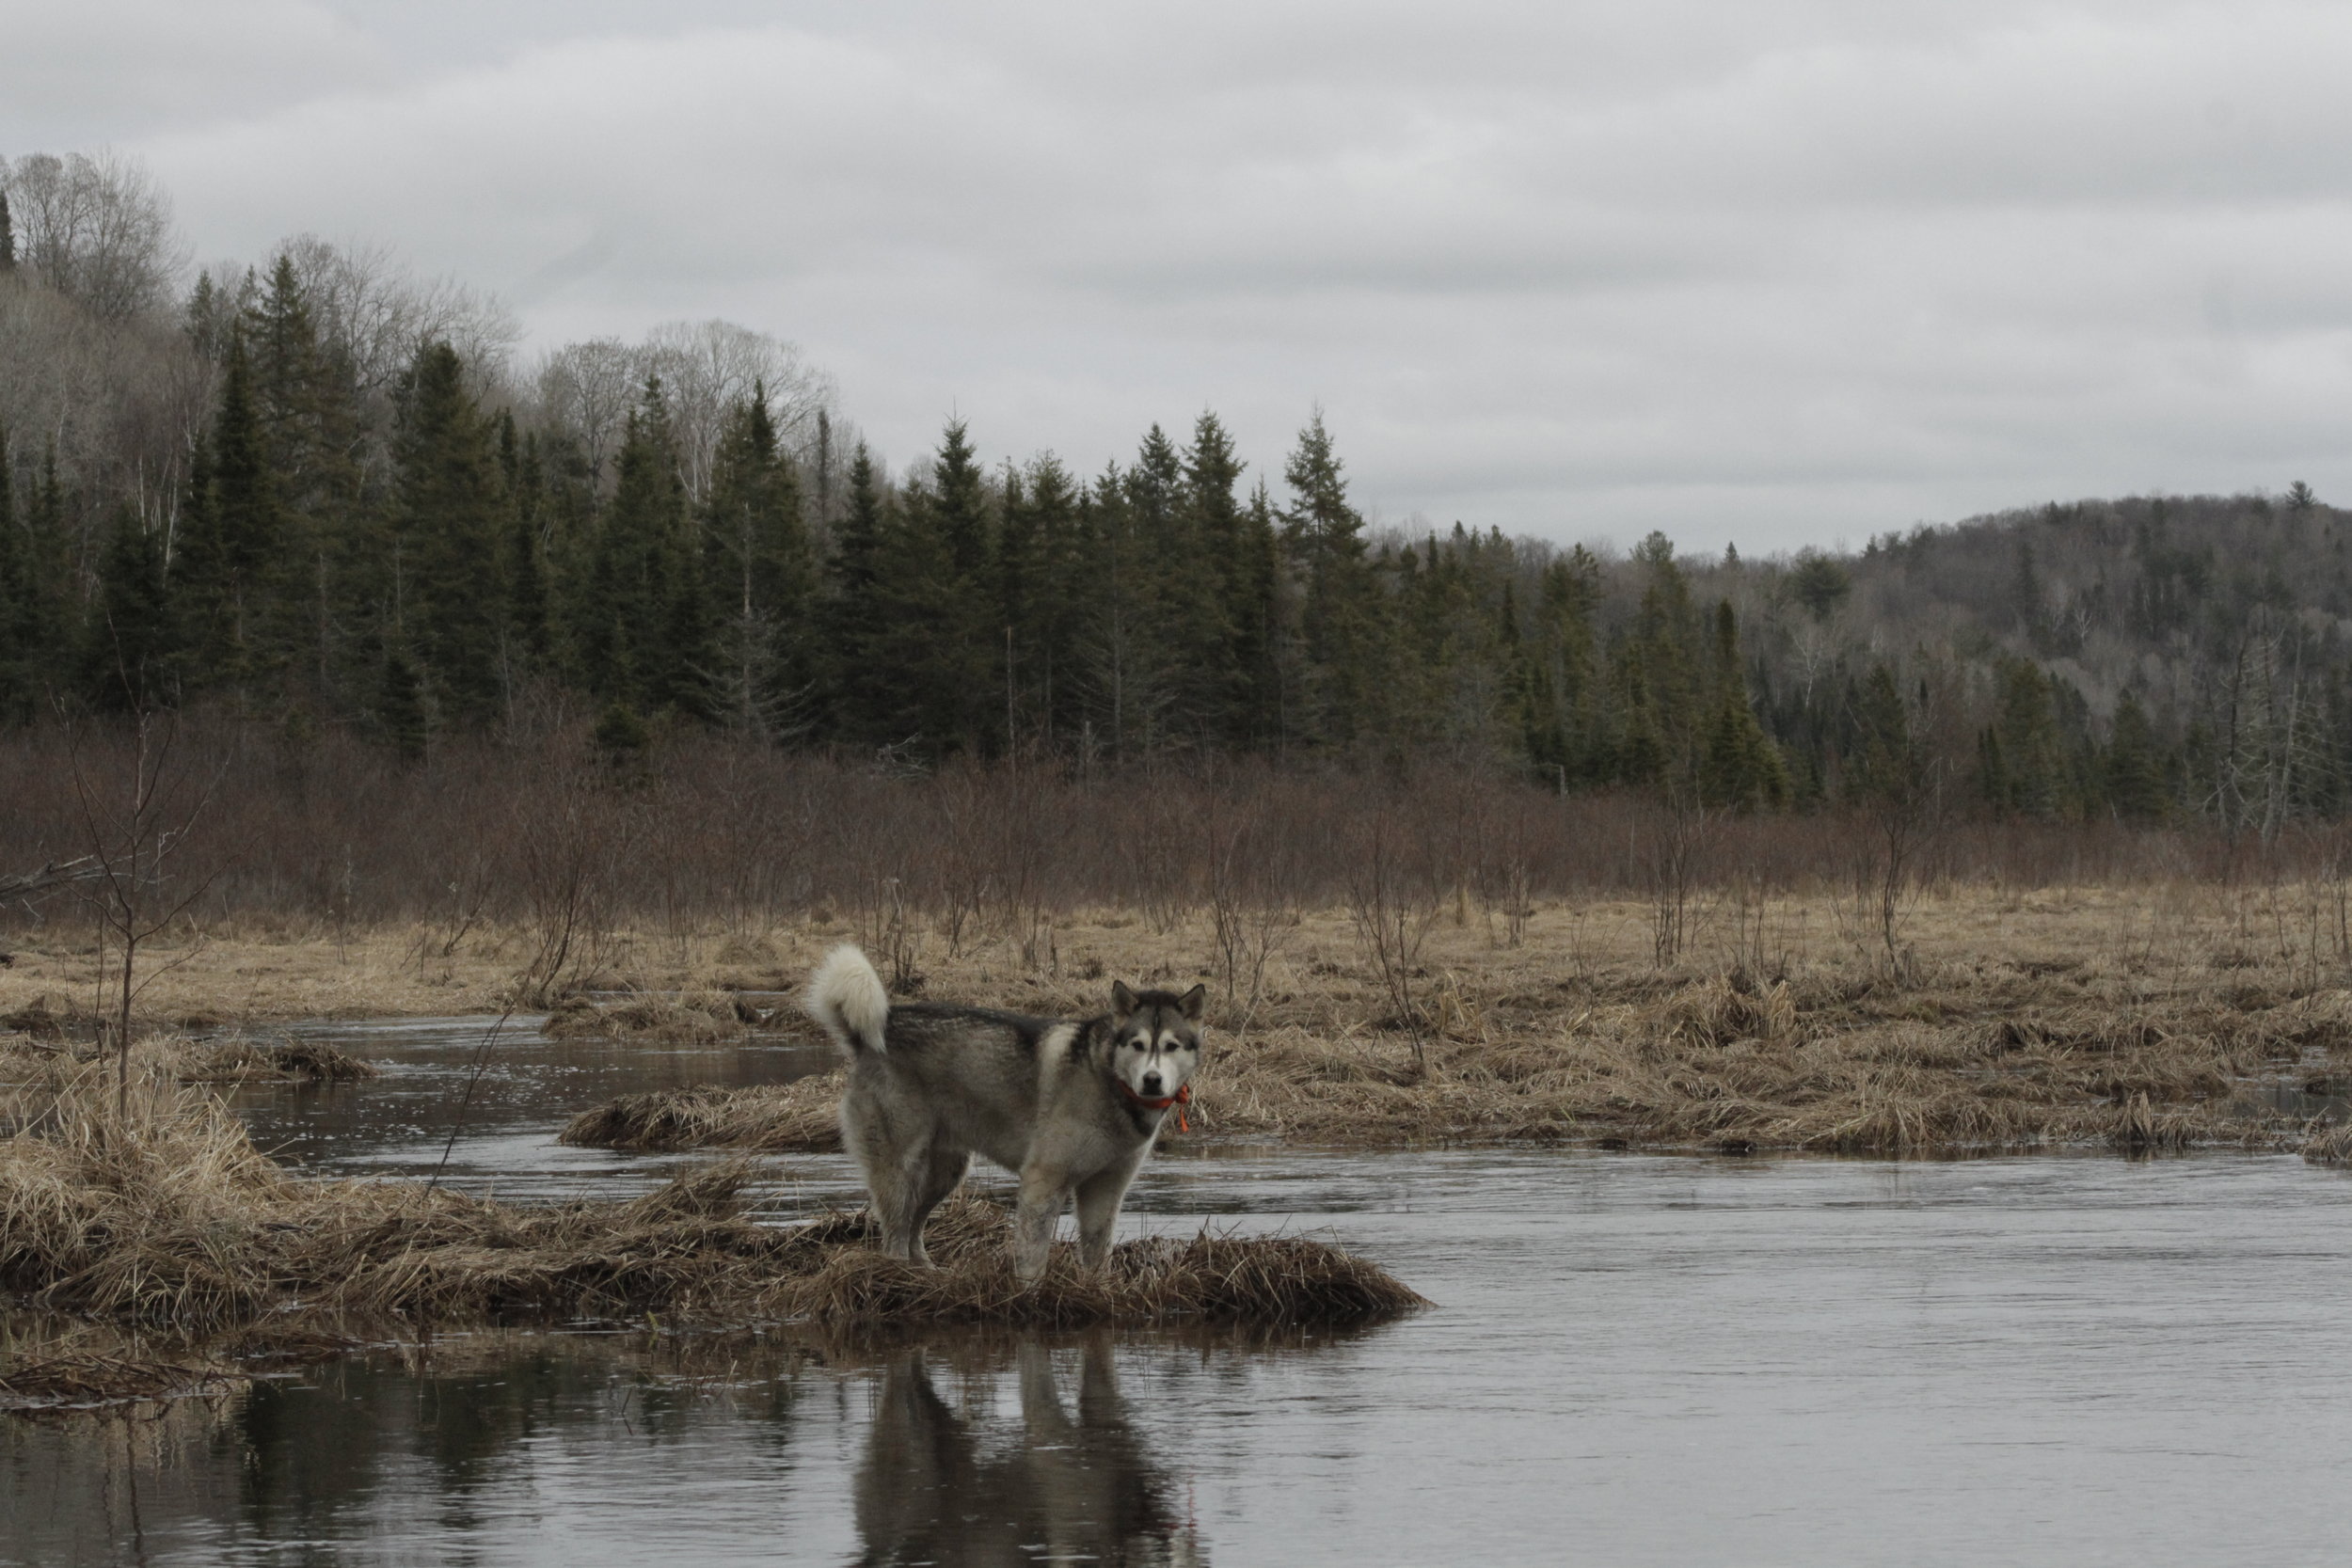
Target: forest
{"points": [[314, 493]]}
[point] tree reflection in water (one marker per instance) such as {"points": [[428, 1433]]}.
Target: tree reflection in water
{"points": [[933, 1489]]}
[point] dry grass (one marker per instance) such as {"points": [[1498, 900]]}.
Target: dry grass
{"points": [[796, 1117], [2131, 1015], [2330, 1146], [2126, 1018], [28, 1060], [691, 1018], [167, 1218]]}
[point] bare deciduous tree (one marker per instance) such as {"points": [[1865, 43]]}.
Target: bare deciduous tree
{"points": [[96, 228]]}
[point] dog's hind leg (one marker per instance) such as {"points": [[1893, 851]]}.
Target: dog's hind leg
{"points": [[1099, 1199], [943, 1172]]}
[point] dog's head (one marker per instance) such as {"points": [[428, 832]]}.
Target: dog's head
{"points": [[1155, 1040]]}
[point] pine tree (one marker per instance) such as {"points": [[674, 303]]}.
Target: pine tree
{"points": [[307, 407], [1342, 640], [2024, 766], [450, 516], [1218, 584], [402, 712], [1883, 760], [1740, 768], [760, 563], [1662, 645], [643, 620], [8, 236], [2134, 774], [231, 559], [956, 664], [525, 562], [132, 656], [861, 706]]}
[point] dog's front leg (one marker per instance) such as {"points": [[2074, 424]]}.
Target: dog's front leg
{"points": [[1098, 1214], [1043, 1191]]}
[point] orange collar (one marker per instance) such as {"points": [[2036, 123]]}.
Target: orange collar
{"points": [[1182, 1098]]}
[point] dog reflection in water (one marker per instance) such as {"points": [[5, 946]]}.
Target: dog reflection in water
{"points": [[934, 1488]]}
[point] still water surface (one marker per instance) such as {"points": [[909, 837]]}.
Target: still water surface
{"points": [[1633, 1360]]}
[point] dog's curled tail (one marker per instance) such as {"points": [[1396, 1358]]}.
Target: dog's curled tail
{"points": [[846, 996]]}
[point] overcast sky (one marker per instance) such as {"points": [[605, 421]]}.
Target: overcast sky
{"points": [[1773, 271]]}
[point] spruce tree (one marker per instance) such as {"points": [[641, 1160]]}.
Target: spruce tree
{"points": [[761, 566], [130, 657], [1740, 768], [2134, 774], [231, 558], [936, 642], [1212, 583], [642, 623], [450, 516], [1341, 635], [861, 706]]}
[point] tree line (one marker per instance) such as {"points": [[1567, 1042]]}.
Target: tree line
{"points": [[317, 495]]}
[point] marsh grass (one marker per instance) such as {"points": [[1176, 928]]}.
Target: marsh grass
{"points": [[160, 1215], [2130, 1019], [30, 1059]]}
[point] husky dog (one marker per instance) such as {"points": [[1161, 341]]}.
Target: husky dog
{"points": [[1070, 1108]]}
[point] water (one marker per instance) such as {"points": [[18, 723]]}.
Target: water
{"points": [[1633, 1359]]}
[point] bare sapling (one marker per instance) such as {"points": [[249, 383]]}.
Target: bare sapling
{"points": [[887, 930], [574, 839], [1393, 899], [1254, 899], [133, 824], [1677, 854]]}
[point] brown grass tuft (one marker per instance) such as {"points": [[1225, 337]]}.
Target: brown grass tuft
{"points": [[795, 1117], [694, 1017]]}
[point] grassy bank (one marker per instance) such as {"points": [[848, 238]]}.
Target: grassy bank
{"points": [[2134, 1019], [163, 1217], [2131, 1017]]}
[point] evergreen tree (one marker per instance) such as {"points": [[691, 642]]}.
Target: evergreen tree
{"points": [[8, 236], [2023, 765], [934, 655], [1738, 767], [451, 515], [760, 560], [2135, 771], [527, 592], [402, 712], [644, 623], [863, 707], [130, 657], [1340, 636], [1216, 588], [308, 419], [231, 560], [1662, 650]]}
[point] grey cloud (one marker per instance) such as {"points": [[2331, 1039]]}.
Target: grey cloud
{"points": [[1778, 270]]}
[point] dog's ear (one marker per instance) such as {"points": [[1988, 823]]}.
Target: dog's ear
{"points": [[1122, 1001], [1193, 1001]]}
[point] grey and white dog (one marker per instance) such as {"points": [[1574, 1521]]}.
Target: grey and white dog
{"points": [[1071, 1109]]}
